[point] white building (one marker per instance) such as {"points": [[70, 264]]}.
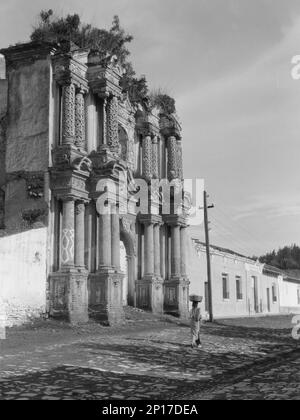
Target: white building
{"points": [[241, 286]]}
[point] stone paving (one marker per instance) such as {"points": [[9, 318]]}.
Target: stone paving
{"points": [[154, 361]]}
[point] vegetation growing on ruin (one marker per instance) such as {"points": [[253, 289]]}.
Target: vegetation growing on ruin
{"points": [[114, 41]]}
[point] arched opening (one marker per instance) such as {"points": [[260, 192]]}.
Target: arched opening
{"points": [[128, 262]]}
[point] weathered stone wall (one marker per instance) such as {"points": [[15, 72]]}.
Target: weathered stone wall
{"points": [[3, 109], [28, 117], [27, 144], [23, 275]]}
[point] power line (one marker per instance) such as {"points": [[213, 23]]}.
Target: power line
{"points": [[227, 235]]}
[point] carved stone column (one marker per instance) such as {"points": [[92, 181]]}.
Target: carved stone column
{"points": [[177, 286], [150, 287], [175, 252], [112, 123], [147, 157], [157, 270], [80, 116], [155, 165], [67, 235], [179, 159], [79, 234], [104, 241], [162, 254], [172, 158], [106, 284], [115, 244], [68, 114], [68, 287], [149, 250], [183, 250]]}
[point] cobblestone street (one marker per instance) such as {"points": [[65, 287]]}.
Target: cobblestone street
{"points": [[151, 359]]}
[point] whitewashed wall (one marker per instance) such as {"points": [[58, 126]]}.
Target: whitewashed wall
{"points": [[288, 296], [23, 275]]}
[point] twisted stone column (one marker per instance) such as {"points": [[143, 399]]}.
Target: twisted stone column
{"points": [[67, 235], [112, 123], [80, 119], [155, 165], [147, 157], [179, 159], [172, 158], [68, 114], [79, 234]]}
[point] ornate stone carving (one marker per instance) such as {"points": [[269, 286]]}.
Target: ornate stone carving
{"points": [[68, 117], [67, 245], [79, 208], [179, 159], [35, 186], [172, 158], [80, 119], [147, 157], [112, 124], [83, 164], [155, 158]]}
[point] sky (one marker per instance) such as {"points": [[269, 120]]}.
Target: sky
{"points": [[228, 64]]}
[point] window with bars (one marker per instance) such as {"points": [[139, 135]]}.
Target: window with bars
{"points": [[225, 280]]}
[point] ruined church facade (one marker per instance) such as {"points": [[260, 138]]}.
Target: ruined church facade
{"points": [[67, 130]]}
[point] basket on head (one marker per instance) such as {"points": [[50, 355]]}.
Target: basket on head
{"points": [[196, 298]]}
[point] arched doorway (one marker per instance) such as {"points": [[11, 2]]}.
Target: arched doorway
{"points": [[128, 261]]}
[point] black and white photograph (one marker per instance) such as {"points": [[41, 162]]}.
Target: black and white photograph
{"points": [[149, 203]]}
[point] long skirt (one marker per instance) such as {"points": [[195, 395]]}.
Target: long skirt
{"points": [[195, 332]]}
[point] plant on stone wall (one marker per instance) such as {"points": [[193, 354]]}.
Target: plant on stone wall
{"points": [[164, 102], [51, 28]]}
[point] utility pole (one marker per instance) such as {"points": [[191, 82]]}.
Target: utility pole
{"points": [[210, 300]]}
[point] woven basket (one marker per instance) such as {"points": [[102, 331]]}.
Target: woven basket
{"points": [[196, 298]]}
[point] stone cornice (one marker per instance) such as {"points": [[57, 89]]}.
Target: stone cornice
{"points": [[69, 70], [175, 220], [22, 54], [150, 219]]}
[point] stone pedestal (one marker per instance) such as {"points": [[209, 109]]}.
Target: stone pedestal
{"points": [[69, 296], [150, 294], [176, 297], [105, 297]]}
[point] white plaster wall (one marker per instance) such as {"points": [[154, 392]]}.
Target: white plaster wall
{"points": [[233, 266], [23, 275], [288, 296]]}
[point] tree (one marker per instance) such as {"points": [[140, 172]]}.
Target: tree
{"points": [[51, 28], [287, 258]]}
